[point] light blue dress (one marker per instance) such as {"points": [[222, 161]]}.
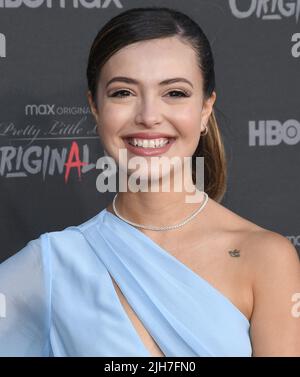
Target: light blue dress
{"points": [[58, 298]]}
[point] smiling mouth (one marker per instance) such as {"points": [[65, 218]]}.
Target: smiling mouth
{"points": [[149, 143], [149, 147]]}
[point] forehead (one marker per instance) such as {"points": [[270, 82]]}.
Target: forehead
{"points": [[153, 60]]}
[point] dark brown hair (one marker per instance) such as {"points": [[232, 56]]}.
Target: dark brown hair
{"points": [[141, 24]]}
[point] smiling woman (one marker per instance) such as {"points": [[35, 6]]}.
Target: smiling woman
{"points": [[159, 69], [152, 275]]}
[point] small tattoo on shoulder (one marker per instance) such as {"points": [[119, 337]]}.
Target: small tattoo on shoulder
{"points": [[234, 253]]}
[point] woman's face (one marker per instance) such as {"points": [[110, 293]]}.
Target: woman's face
{"points": [[143, 104]]}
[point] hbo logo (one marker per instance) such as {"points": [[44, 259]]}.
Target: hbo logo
{"points": [[273, 132]]}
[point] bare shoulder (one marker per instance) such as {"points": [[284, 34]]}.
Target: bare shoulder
{"points": [[266, 255], [273, 272], [273, 263], [259, 244], [270, 268], [271, 248]]}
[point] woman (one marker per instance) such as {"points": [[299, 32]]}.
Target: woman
{"points": [[153, 275]]}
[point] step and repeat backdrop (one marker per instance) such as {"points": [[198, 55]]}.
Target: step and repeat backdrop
{"points": [[48, 140]]}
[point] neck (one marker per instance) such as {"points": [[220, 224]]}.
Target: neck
{"points": [[159, 208]]}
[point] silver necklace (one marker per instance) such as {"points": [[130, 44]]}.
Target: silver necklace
{"points": [[152, 227]]}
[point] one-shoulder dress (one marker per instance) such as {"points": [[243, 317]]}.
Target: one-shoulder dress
{"points": [[57, 298]]}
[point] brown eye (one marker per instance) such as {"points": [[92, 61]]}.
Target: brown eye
{"points": [[181, 94], [116, 94], [120, 93]]}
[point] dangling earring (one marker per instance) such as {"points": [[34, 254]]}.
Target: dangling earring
{"points": [[205, 132]]}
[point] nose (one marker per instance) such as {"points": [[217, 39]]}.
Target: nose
{"points": [[148, 113]]}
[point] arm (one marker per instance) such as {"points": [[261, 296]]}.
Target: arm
{"points": [[25, 301], [275, 325]]}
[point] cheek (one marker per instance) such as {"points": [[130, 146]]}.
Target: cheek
{"points": [[112, 122], [188, 128], [187, 124]]}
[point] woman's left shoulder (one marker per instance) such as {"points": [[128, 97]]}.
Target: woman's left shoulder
{"points": [[268, 249], [272, 263], [259, 244], [271, 259], [265, 254]]}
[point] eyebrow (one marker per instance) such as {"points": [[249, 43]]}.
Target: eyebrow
{"points": [[129, 80]]}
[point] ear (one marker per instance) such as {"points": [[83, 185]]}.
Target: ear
{"points": [[207, 109], [92, 106]]}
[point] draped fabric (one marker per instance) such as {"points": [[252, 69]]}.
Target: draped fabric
{"points": [[61, 301]]}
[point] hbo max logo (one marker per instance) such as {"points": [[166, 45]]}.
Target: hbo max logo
{"points": [[61, 3], [273, 132]]}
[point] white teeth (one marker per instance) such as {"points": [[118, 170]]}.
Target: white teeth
{"points": [[149, 143]]}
